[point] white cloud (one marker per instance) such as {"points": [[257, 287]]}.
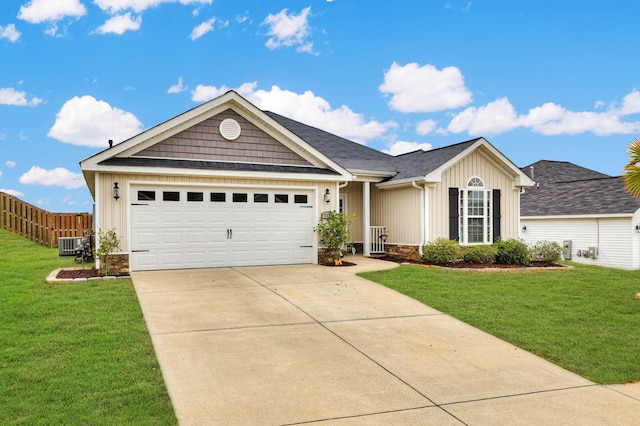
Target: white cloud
{"points": [[402, 147], [12, 192], [550, 118], [204, 93], [0, 174], [54, 177], [90, 122], [494, 118], [10, 164], [115, 6], [37, 11], [177, 88], [289, 30], [10, 33], [202, 29], [11, 96], [425, 89], [306, 108], [119, 24], [425, 127]]}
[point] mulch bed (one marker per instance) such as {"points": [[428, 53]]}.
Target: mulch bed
{"points": [[344, 263], [80, 273], [463, 265]]}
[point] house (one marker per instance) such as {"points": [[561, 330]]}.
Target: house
{"points": [[589, 212], [227, 184]]}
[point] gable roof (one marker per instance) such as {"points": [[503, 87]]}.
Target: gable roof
{"points": [[567, 189], [327, 156]]}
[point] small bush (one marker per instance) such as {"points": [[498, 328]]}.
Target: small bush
{"points": [[512, 252], [484, 254], [441, 251], [546, 251]]}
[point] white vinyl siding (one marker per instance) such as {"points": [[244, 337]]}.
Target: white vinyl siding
{"points": [[615, 238]]}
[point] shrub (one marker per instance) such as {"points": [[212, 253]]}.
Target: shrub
{"points": [[546, 251], [512, 252], [108, 243], [441, 251], [479, 254], [334, 231]]}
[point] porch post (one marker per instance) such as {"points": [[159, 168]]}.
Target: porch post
{"points": [[366, 207]]}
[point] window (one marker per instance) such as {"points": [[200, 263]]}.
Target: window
{"points": [[300, 199], [475, 213], [282, 198], [260, 198], [146, 195], [240, 197], [170, 196], [218, 197], [195, 196]]}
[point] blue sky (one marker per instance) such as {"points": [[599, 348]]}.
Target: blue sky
{"points": [[540, 80]]}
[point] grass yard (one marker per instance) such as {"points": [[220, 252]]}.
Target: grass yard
{"points": [[72, 353], [586, 320]]}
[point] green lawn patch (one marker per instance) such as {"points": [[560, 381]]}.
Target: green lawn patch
{"points": [[586, 320], [73, 353]]}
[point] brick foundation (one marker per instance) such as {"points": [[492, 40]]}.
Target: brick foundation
{"points": [[118, 264]]}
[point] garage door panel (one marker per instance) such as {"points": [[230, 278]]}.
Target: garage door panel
{"points": [[220, 232]]}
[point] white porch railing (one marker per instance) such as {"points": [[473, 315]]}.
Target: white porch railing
{"points": [[377, 238]]}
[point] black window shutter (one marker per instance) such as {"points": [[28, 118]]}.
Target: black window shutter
{"points": [[454, 214], [496, 214]]}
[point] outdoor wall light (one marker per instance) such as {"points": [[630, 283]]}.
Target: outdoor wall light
{"points": [[327, 196], [524, 228], [637, 228], [116, 191]]}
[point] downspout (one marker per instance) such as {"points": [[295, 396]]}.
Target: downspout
{"points": [[422, 224], [343, 185]]}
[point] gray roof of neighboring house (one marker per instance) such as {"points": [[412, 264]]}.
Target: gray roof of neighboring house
{"points": [[567, 189]]}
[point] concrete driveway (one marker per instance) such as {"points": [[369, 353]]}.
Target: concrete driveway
{"points": [[284, 345]]}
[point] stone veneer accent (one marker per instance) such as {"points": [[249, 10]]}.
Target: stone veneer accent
{"points": [[118, 264], [403, 252]]}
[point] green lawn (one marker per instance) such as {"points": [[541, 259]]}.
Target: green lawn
{"points": [[586, 320], [72, 353]]}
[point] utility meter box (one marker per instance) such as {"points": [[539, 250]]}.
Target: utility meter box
{"points": [[566, 249], [593, 252]]}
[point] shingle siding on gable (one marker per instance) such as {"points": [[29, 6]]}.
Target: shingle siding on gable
{"points": [[204, 142]]}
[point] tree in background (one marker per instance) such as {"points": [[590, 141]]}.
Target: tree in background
{"points": [[632, 169]]}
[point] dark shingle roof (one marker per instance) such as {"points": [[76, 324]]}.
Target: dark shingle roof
{"points": [[348, 154], [421, 163], [568, 189], [211, 165]]}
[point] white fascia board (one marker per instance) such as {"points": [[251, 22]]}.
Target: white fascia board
{"points": [[402, 182], [579, 216], [207, 110], [521, 178], [240, 174]]}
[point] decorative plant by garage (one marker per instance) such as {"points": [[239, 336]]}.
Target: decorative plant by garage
{"points": [[108, 243], [334, 230]]}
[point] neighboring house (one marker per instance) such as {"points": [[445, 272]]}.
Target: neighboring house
{"points": [[227, 184], [591, 211]]}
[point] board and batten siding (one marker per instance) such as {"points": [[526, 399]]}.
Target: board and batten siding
{"points": [[399, 211], [616, 239], [474, 165], [353, 192], [113, 213]]}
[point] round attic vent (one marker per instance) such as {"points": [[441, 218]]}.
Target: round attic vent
{"points": [[230, 129]]}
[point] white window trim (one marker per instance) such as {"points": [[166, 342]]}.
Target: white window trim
{"points": [[463, 208]]}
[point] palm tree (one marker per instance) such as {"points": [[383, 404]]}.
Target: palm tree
{"points": [[632, 169]]}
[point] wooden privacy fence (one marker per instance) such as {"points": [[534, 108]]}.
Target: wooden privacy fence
{"points": [[40, 225]]}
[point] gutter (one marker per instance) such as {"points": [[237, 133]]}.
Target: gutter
{"points": [[422, 212]]}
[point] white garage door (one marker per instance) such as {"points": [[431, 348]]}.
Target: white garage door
{"points": [[194, 227]]}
